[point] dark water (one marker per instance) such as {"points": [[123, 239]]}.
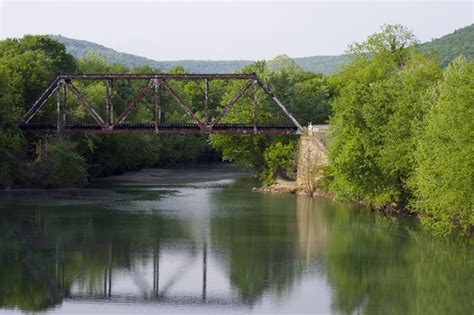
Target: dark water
{"points": [[198, 240]]}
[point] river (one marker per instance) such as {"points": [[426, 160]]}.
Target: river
{"points": [[199, 240]]}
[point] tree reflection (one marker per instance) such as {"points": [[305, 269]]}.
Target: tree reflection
{"points": [[266, 241], [377, 266]]}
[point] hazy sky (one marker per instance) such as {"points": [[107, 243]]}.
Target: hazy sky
{"points": [[228, 29]]}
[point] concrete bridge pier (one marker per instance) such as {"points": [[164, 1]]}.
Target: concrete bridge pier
{"points": [[311, 157]]}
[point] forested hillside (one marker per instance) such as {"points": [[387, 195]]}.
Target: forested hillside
{"points": [[448, 47], [81, 48], [445, 49]]}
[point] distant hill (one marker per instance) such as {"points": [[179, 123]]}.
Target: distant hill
{"points": [[80, 48], [446, 48], [323, 64]]}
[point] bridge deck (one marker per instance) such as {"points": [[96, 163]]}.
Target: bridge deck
{"points": [[170, 129]]}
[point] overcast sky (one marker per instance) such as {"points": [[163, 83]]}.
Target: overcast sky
{"points": [[228, 29]]}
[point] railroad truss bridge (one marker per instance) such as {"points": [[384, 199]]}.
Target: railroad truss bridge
{"points": [[106, 123]]}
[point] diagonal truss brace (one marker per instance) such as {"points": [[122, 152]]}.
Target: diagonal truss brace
{"points": [[47, 94], [84, 103], [280, 104], [50, 91], [133, 103], [232, 103], [183, 105]]}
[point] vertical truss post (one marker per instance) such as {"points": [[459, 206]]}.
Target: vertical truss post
{"points": [[108, 102], [157, 86], [254, 107], [61, 102], [206, 101], [64, 91]]}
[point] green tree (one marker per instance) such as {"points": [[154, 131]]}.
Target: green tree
{"points": [[444, 175], [27, 65], [10, 137], [68, 168], [312, 100], [375, 115], [279, 158]]}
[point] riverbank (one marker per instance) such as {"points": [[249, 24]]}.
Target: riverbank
{"points": [[282, 186]]}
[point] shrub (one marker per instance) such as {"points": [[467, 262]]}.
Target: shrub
{"points": [[68, 168]]}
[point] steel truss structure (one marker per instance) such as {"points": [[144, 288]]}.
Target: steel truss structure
{"points": [[156, 83]]}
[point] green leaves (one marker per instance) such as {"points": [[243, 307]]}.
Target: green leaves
{"points": [[68, 168], [443, 179], [393, 41], [26, 67], [403, 135], [374, 115], [278, 158]]}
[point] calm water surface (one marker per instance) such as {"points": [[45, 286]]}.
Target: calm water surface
{"points": [[198, 240]]}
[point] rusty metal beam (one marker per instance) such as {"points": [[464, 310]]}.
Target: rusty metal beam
{"points": [[206, 101], [254, 106], [59, 124], [181, 103], [61, 107], [162, 76], [182, 131], [133, 103], [280, 104], [84, 103], [39, 103], [157, 85], [165, 129], [108, 102], [232, 103]]}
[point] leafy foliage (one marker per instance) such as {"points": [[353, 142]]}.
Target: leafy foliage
{"points": [[279, 158], [444, 173], [375, 112], [68, 168], [402, 134], [10, 137], [26, 66]]}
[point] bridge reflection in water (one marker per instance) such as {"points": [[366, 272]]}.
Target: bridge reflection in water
{"points": [[158, 292], [152, 240]]}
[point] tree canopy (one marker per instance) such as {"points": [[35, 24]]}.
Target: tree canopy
{"points": [[444, 174]]}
